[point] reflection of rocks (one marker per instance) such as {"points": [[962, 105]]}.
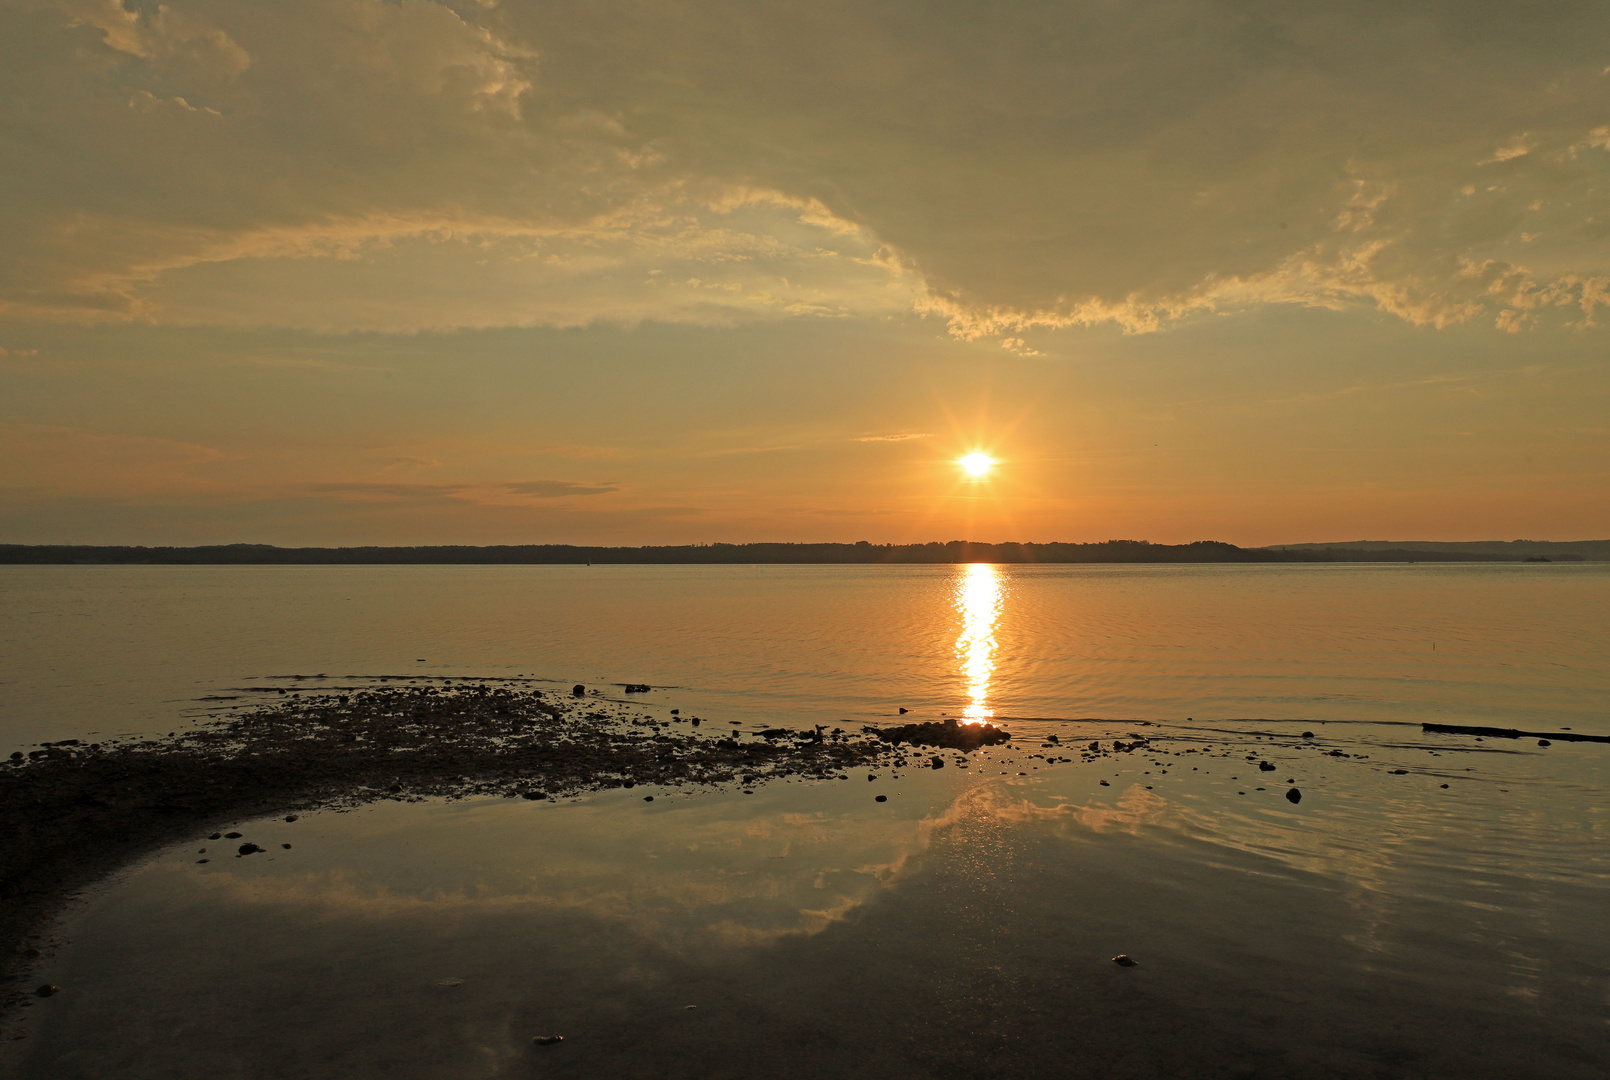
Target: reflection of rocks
{"points": [[949, 734]]}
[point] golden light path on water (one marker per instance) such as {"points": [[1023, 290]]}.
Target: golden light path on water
{"points": [[978, 601]]}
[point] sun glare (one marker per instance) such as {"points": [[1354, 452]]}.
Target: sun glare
{"points": [[977, 464]]}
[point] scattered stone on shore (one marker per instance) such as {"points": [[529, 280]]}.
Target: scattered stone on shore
{"points": [[1125, 960], [903, 711], [638, 688], [578, 690], [547, 1040], [1294, 796], [47, 990], [292, 817], [1544, 742], [287, 847], [216, 836], [648, 798], [1103, 782], [1264, 766], [249, 848], [937, 762], [1400, 772], [232, 836], [881, 798], [1308, 734], [949, 734]]}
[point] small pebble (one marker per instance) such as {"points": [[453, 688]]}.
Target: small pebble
{"points": [[1544, 742], [290, 817], [881, 798], [547, 1040], [249, 848], [648, 798], [1294, 796], [46, 990], [287, 847], [216, 836], [232, 836], [1123, 960], [1444, 785]]}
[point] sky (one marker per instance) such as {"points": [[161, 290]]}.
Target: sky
{"points": [[638, 272]]}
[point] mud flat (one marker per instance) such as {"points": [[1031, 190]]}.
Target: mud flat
{"points": [[77, 812]]}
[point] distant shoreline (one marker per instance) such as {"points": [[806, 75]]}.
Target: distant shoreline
{"points": [[956, 551]]}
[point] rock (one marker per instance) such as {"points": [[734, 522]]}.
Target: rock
{"points": [[231, 836], [287, 847], [938, 762], [578, 690], [648, 798], [290, 817], [1544, 742], [46, 990], [200, 861], [1400, 772], [1294, 796], [1103, 783], [216, 836], [249, 848], [1308, 734], [871, 777], [547, 1040], [1264, 766], [1444, 785], [638, 688], [881, 798], [903, 712], [1052, 738], [1124, 960]]}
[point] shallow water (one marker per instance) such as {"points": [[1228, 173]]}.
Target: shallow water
{"points": [[1383, 926]]}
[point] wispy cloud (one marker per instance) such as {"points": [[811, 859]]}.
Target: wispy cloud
{"points": [[558, 489], [901, 437]]}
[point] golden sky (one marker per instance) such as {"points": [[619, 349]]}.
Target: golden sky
{"points": [[351, 271]]}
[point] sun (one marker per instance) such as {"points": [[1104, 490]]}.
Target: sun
{"points": [[977, 464]]}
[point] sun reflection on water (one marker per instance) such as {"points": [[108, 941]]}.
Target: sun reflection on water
{"points": [[978, 601]]}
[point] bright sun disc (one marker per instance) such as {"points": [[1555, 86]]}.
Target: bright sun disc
{"points": [[977, 464]]}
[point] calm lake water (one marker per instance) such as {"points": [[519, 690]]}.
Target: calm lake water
{"points": [[1445, 920]]}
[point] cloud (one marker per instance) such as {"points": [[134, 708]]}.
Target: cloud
{"points": [[347, 165], [901, 437], [558, 489]]}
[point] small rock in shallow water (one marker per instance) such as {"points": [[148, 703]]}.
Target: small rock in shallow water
{"points": [[290, 817], [547, 1040], [249, 849], [230, 836], [1400, 772], [1103, 783], [216, 836], [938, 762], [578, 690], [287, 847], [200, 861], [1544, 742], [1444, 785], [46, 990], [881, 798], [1294, 796], [1123, 960], [902, 713], [648, 798], [1308, 734], [1264, 766]]}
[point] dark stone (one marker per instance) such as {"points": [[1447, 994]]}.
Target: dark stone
{"points": [[1264, 766], [903, 712], [638, 688], [46, 990], [1052, 738], [287, 847], [628, 783], [1294, 796], [290, 817], [938, 762], [1103, 783], [1544, 742], [227, 835], [534, 795], [547, 1040], [1308, 734], [16, 755], [1400, 772], [1444, 785], [648, 798], [200, 861], [578, 690], [249, 848], [1124, 960], [881, 798]]}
